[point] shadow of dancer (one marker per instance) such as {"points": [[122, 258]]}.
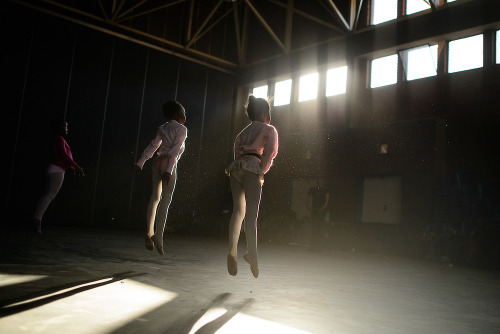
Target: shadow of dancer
{"points": [[49, 295], [216, 324]]}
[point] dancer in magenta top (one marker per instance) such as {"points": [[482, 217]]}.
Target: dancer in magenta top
{"points": [[169, 142], [62, 160], [255, 148]]}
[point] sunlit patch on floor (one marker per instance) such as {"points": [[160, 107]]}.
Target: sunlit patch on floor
{"points": [[9, 279], [242, 323], [96, 310]]}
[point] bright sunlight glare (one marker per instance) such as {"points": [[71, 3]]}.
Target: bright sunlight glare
{"points": [[336, 81], [415, 6], [308, 87], [8, 279], [384, 10], [243, 323], [384, 71], [260, 92], [498, 46], [422, 62], [102, 309], [282, 92], [465, 54]]}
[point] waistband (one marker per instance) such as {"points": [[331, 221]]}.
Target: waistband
{"points": [[254, 154]]}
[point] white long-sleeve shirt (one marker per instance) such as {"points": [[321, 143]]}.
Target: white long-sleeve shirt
{"points": [[169, 141], [258, 138]]}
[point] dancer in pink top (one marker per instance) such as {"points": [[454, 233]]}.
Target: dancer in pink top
{"points": [[255, 148], [169, 142], [62, 160]]}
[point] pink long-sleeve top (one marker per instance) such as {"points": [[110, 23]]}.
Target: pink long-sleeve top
{"points": [[258, 138], [169, 141], [61, 154]]}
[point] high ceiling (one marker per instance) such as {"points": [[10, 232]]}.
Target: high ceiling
{"points": [[226, 34]]}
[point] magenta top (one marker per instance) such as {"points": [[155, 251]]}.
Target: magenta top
{"points": [[61, 154]]}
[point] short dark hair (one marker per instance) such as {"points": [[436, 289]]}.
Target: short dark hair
{"points": [[173, 110], [256, 106]]}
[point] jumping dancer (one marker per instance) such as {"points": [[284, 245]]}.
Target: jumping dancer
{"points": [[255, 148], [62, 160], [169, 142]]}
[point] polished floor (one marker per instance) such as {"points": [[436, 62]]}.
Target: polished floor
{"points": [[102, 281]]}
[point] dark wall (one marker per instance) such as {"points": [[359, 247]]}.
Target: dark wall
{"points": [[111, 92], [435, 127]]}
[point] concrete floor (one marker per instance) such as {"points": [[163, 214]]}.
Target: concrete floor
{"points": [[101, 281]]}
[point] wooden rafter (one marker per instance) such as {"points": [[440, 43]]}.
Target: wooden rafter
{"points": [[137, 5], [289, 26], [71, 9], [357, 15], [220, 18], [103, 10], [339, 14], [149, 11], [266, 25], [117, 11], [308, 16], [238, 34], [200, 29], [190, 20]]}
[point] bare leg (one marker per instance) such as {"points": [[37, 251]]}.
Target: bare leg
{"points": [[253, 190], [153, 203], [238, 214], [54, 183], [166, 198]]}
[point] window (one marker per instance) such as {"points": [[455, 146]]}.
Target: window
{"points": [[384, 10], [448, 1], [498, 47], [465, 54], [260, 91], [282, 92], [336, 81], [308, 87], [415, 6], [384, 71], [421, 62]]}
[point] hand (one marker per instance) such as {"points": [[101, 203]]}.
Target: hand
{"points": [[79, 171], [134, 169], [166, 176]]}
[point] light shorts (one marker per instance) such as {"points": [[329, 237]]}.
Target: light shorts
{"points": [[54, 169], [247, 163]]}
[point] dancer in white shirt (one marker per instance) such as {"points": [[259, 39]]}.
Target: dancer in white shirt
{"points": [[254, 150], [169, 142]]}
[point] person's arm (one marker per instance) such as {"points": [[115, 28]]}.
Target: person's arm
{"points": [[270, 149], [177, 149], [148, 152]]}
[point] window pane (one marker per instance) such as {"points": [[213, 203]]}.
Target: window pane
{"points": [[336, 81], [308, 87], [384, 71], [384, 10], [260, 91], [498, 46], [414, 6], [282, 92], [422, 62], [465, 54]]}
